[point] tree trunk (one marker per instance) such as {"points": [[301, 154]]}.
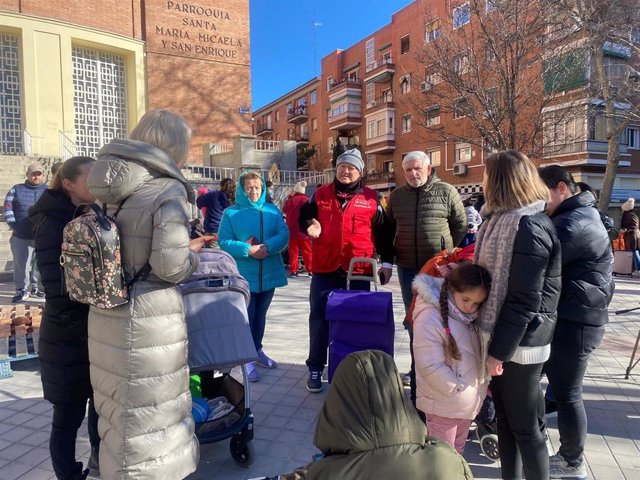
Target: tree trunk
{"points": [[610, 172]]}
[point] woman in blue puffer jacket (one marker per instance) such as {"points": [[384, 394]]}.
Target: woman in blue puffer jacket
{"points": [[254, 232]]}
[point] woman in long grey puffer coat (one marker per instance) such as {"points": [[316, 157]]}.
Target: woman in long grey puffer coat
{"points": [[138, 351]]}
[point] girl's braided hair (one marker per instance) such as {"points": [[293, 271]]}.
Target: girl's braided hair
{"points": [[465, 277]]}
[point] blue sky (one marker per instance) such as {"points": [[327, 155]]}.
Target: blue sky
{"points": [[282, 38]]}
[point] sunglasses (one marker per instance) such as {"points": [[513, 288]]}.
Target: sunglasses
{"points": [[37, 174]]}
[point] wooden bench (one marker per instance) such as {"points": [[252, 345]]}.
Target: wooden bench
{"points": [[19, 332]]}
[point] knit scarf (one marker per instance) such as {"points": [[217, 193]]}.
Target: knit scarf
{"points": [[494, 251]]}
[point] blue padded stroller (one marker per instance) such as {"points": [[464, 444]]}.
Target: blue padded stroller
{"points": [[216, 299]]}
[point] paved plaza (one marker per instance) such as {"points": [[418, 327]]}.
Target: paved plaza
{"points": [[285, 412]]}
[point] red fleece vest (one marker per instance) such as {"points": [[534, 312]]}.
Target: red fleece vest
{"points": [[345, 234]]}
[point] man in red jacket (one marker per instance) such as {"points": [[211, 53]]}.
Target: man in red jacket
{"points": [[345, 220], [297, 240]]}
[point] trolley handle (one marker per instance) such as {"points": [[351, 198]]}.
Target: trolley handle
{"points": [[374, 271]]}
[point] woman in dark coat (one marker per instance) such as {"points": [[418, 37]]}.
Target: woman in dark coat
{"points": [[517, 243], [630, 225], [64, 356]]}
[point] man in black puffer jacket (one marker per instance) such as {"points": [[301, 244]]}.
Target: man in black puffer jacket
{"points": [[587, 288]]}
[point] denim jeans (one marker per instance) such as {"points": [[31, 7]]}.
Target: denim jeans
{"points": [[571, 347], [321, 285], [25, 271], [257, 310], [67, 418], [520, 411], [405, 277]]}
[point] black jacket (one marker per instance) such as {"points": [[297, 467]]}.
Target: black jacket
{"points": [[528, 315], [63, 349], [587, 261]]}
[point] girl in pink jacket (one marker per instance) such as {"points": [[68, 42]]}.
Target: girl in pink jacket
{"points": [[451, 381]]}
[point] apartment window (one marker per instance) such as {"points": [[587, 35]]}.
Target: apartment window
{"points": [[432, 116], [406, 123], [269, 121], [370, 51], [371, 129], [277, 136], [371, 92], [99, 98], [389, 167], [352, 75], [10, 95], [463, 152], [434, 157], [633, 137], [405, 84], [432, 31], [432, 77], [461, 15], [390, 129], [405, 44], [289, 108], [461, 64], [329, 83], [314, 124], [460, 108], [277, 115], [314, 97]]}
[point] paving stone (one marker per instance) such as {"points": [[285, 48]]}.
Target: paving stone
{"points": [[14, 470], [36, 474]]}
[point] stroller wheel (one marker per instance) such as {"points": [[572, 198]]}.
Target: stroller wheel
{"points": [[489, 446], [241, 452]]}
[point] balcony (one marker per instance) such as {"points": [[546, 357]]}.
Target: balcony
{"points": [[348, 115], [380, 71], [346, 87], [263, 129], [381, 180], [385, 143], [302, 140], [382, 103], [593, 147], [298, 115]]}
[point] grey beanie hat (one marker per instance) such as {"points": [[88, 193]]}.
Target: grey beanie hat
{"points": [[352, 157]]}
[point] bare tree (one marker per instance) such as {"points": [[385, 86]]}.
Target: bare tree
{"points": [[486, 63], [610, 33]]}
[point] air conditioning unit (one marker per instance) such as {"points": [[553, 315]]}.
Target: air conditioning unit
{"points": [[459, 169], [426, 86]]}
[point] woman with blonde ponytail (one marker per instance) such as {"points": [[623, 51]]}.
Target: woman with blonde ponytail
{"points": [[450, 378]]}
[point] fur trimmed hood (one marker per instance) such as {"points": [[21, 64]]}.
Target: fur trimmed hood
{"points": [[428, 288]]}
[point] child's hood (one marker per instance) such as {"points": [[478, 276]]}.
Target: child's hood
{"points": [[428, 288]]}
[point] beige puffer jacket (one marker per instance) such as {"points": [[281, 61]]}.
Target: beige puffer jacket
{"points": [[452, 389], [138, 351]]}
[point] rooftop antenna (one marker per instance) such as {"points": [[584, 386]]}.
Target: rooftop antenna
{"points": [[314, 24]]}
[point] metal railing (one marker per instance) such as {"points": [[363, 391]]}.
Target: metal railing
{"points": [[384, 100], [68, 148], [214, 174], [347, 82], [267, 145], [379, 63], [582, 146], [300, 110], [220, 148], [210, 174], [263, 128]]}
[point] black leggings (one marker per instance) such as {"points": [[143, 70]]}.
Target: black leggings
{"points": [[520, 411]]}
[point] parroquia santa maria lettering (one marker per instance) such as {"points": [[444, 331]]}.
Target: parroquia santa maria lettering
{"points": [[198, 10]]}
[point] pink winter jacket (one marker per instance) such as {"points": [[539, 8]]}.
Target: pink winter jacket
{"points": [[452, 389]]}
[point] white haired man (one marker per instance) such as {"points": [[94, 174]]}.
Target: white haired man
{"points": [[426, 216]]}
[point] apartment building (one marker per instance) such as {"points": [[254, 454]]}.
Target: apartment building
{"points": [[296, 116], [380, 95]]}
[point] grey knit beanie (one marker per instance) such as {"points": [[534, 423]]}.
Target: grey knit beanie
{"points": [[352, 157]]}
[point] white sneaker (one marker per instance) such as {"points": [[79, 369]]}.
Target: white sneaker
{"points": [[559, 468]]}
